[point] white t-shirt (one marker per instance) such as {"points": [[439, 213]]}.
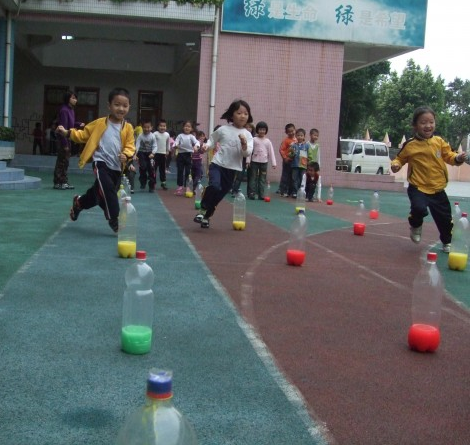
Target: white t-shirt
{"points": [[230, 153], [109, 147], [163, 142]]}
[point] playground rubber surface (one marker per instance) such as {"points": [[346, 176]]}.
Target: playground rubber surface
{"points": [[262, 352]]}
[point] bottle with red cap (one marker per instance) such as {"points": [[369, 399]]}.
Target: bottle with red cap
{"points": [[428, 288], [158, 422], [137, 308]]}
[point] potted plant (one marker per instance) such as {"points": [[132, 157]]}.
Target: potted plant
{"points": [[7, 143]]}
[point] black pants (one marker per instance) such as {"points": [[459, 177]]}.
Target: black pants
{"points": [[220, 183], [439, 206], [62, 164], [104, 191], [183, 164], [160, 165]]}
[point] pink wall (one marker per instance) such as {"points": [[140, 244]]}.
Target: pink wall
{"points": [[283, 80]]}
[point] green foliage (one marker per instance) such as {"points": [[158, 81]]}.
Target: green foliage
{"points": [[359, 98], [458, 111], [7, 134], [198, 3]]}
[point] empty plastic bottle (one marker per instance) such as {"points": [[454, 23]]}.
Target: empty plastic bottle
{"points": [[137, 307], [158, 422], [359, 225], [331, 194], [424, 333], [125, 184], [127, 233], [458, 255], [239, 211], [317, 195], [301, 196], [456, 212], [296, 247], [198, 195], [189, 187], [121, 193], [374, 205]]}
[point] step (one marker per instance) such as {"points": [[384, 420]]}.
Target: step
{"points": [[27, 183], [11, 174]]}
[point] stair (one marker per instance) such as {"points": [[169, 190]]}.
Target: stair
{"points": [[14, 179]]}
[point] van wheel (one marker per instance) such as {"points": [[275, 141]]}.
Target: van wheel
{"points": [[358, 170], [380, 171]]}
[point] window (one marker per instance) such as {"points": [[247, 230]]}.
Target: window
{"points": [[370, 149], [381, 150], [149, 106]]}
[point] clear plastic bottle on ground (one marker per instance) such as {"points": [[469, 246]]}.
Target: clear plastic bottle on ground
{"points": [[456, 212], [428, 288], [158, 422], [198, 195], [331, 194], [189, 187], [300, 200], [317, 195], [239, 211], [296, 247], [374, 205], [137, 308], [267, 192], [359, 225], [127, 233], [458, 255]]}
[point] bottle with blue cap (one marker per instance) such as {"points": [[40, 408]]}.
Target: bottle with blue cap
{"points": [[158, 422]]}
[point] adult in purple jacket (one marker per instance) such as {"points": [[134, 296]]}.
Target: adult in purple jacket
{"points": [[66, 118]]}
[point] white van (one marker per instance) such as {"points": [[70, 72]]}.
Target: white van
{"points": [[363, 157]]}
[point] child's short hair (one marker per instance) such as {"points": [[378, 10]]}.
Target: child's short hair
{"points": [[234, 106], [420, 111], [261, 124], [118, 91], [315, 165], [300, 130], [314, 130], [145, 121], [286, 128], [161, 121]]}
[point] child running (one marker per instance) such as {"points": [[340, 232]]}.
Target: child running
{"points": [[427, 155], [109, 144], [236, 143], [185, 142]]}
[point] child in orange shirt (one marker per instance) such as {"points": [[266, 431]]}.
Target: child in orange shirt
{"points": [[285, 187]]}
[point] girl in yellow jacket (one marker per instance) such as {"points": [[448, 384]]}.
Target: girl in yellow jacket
{"points": [[426, 156], [109, 143]]}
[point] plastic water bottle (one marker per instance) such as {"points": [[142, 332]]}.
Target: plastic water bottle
{"points": [[374, 205], [127, 233], [189, 187], [301, 195], [296, 247], [456, 212], [158, 422], [458, 255], [317, 195], [428, 288], [267, 192], [359, 225], [331, 194], [239, 211], [198, 195], [125, 184], [121, 194], [137, 308]]}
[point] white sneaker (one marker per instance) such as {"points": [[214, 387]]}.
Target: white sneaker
{"points": [[446, 248], [415, 234]]}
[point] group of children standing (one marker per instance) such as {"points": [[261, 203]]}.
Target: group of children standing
{"points": [[299, 157]]}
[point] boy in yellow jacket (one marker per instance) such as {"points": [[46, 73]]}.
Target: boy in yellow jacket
{"points": [[109, 144]]}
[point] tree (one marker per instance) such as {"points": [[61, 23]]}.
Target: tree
{"points": [[358, 98], [398, 97], [458, 109]]}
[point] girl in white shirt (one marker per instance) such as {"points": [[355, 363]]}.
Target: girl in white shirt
{"points": [[235, 143], [185, 143]]}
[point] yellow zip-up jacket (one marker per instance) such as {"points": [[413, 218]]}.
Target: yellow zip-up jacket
{"points": [[91, 135], [427, 160]]}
